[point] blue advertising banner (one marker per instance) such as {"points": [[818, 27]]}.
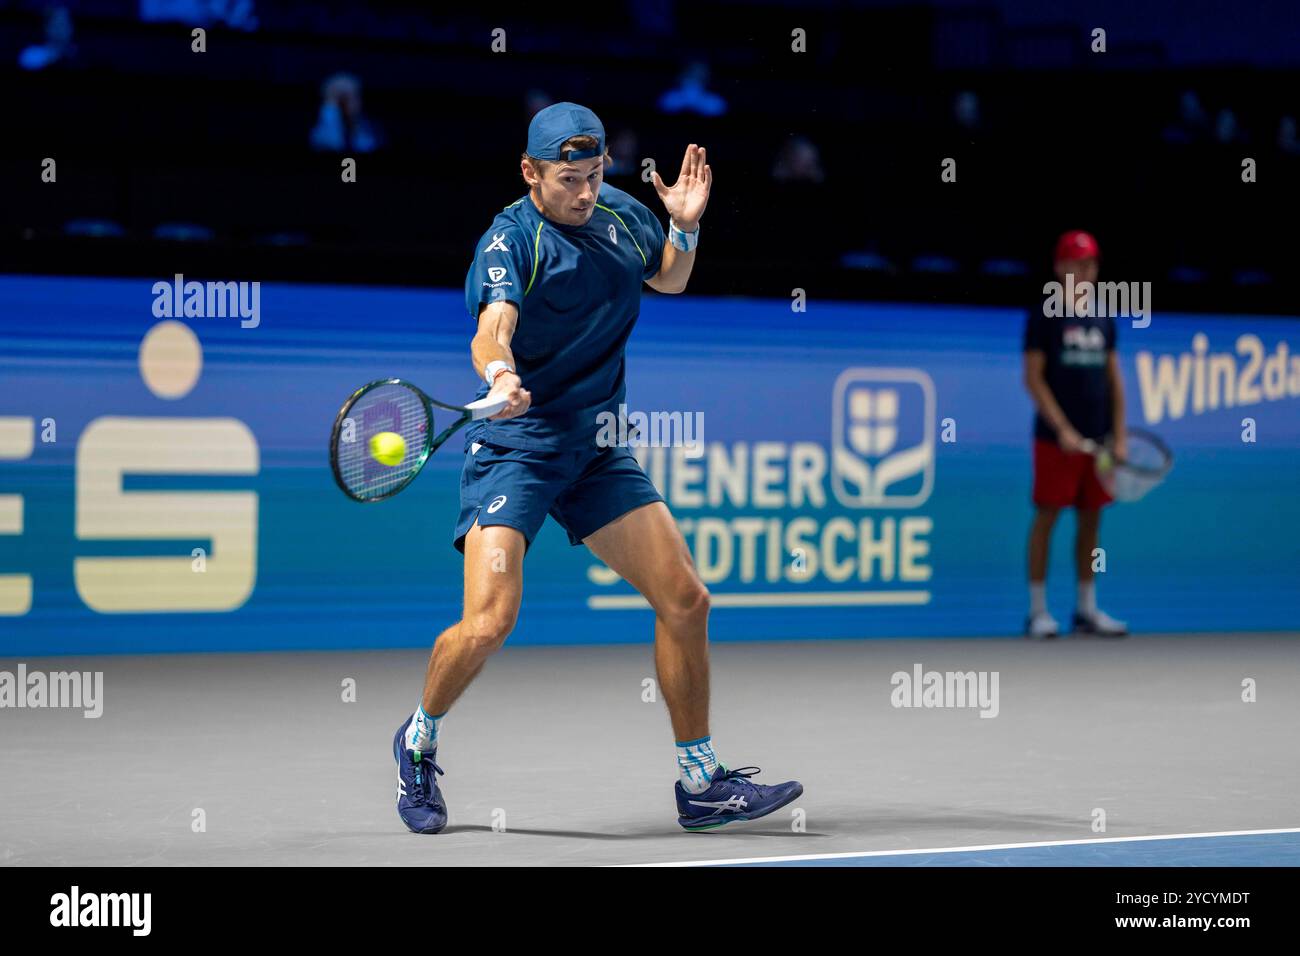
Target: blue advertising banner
{"points": [[848, 471]]}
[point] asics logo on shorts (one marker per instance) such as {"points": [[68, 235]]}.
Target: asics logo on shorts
{"points": [[498, 243], [723, 806], [496, 504]]}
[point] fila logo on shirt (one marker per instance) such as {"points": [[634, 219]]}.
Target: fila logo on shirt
{"points": [[498, 243], [496, 504], [1081, 337]]}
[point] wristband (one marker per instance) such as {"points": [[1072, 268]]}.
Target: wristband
{"points": [[685, 241], [495, 368]]}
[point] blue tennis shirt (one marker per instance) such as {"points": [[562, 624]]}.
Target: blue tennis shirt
{"points": [[578, 289]]}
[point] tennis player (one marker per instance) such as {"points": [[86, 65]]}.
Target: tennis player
{"points": [[555, 287], [1073, 376]]}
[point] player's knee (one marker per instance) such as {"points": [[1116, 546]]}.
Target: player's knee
{"points": [[486, 631], [687, 606], [1047, 515]]}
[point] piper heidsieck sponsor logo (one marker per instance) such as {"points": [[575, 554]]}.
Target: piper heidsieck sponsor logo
{"points": [[179, 299], [36, 689], [78, 909]]}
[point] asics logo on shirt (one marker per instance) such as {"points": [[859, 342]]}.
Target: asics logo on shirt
{"points": [[613, 234], [498, 243], [731, 804]]}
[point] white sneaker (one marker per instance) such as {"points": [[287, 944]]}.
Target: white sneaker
{"points": [[1100, 624], [1041, 625]]}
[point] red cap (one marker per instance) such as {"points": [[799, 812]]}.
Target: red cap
{"points": [[1076, 244]]}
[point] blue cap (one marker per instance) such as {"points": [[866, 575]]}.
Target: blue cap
{"points": [[558, 123]]}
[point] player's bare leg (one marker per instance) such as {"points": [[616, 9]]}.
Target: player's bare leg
{"points": [[1088, 618], [494, 558], [1040, 541], [1085, 542], [646, 549], [1040, 623]]}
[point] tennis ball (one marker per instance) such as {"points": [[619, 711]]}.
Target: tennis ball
{"points": [[1104, 460], [387, 448]]}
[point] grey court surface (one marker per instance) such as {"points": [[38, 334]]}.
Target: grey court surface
{"points": [[558, 745]]}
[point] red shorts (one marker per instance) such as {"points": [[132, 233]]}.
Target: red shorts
{"points": [[1064, 479]]}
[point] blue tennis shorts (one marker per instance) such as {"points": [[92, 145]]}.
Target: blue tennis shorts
{"points": [[582, 490]]}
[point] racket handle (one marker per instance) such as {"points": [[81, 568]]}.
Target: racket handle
{"points": [[1089, 446]]}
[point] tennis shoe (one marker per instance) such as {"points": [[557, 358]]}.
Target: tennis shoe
{"points": [[731, 798]]}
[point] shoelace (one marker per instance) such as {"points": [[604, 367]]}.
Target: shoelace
{"points": [[742, 778], [422, 789]]}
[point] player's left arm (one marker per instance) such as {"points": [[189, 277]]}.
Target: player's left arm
{"points": [[685, 201], [1119, 428]]}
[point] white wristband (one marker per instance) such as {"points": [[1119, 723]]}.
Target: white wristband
{"points": [[685, 241], [494, 368]]}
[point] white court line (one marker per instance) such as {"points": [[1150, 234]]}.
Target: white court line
{"points": [[627, 602], [966, 849]]}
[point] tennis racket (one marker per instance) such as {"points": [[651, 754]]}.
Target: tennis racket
{"points": [[392, 405], [1130, 478]]}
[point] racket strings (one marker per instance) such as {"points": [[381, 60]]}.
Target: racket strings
{"points": [[385, 408]]}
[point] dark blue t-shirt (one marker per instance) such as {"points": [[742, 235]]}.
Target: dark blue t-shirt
{"points": [[1077, 348], [578, 289]]}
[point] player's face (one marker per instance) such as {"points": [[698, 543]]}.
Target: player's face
{"points": [[1083, 270], [569, 190]]}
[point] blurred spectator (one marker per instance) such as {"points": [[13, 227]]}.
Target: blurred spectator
{"points": [[691, 94], [624, 151], [536, 100], [233, 13], [966, 111], [799, 161], [1286, 136], [1226, 129], [341, 127], [1192, 125], [58, 47]]}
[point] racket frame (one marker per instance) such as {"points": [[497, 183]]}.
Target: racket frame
{"points": [[1142, 471], [430, 444]]}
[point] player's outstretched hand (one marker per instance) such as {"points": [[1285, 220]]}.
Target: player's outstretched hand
{"points": [[685, 199], [518, 398]]}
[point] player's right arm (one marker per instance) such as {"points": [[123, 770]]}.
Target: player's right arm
{"points": [[491, 343], [1048, 407], [499, 278]]}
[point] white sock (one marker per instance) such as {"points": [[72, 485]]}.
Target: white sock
{"points": [[422, 734], [1087, 597], [1037, 598], [696, 762]]}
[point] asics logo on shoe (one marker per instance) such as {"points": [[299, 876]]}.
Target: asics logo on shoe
{"points": [[731, 804], [401, 786]]}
